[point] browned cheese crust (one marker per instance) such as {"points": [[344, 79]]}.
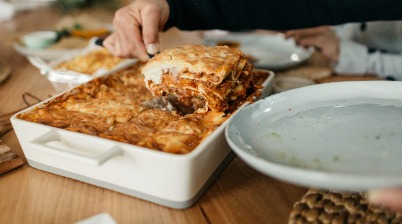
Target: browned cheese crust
{"points": [[211, 64], [218, 75], [91, 62], [112, 107]]}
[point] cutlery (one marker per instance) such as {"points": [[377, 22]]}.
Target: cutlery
{"points": [[99, 41]]}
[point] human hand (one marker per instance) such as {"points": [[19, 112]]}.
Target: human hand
{"points": [[136, 29], [321, 38], [391, 198]]}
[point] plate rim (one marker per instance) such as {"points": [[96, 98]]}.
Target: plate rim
{"points": [[306, 53], [314, 177]]}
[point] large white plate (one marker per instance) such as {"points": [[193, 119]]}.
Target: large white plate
{"points": [[271, 51], [344, 135]]}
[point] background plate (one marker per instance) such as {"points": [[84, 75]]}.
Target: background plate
{"points": [[45, 54], [271, 51], [344, 135]]}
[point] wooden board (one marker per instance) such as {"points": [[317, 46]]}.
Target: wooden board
{"points": [[8, 159]]}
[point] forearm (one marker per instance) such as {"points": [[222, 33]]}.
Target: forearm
{"points": [[277, 15]]}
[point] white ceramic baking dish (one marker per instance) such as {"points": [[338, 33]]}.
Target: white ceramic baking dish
{"points": [[65, 79], [171, 180]]}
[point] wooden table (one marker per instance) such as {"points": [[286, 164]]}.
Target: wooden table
{"points": [[28, 195]]}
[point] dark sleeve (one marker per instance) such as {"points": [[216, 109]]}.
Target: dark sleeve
{"points": [[277, 14]]}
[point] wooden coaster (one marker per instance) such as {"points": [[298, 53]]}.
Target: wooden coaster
{"points": [[5, 72], [8, 159], [335, 207], [342, 78], [310, 72]]}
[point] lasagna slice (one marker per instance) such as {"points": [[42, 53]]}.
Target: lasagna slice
{"points": [[202, 77]]}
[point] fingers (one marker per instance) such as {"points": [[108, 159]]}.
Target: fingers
{"points": [[322, 38], [391, 198], [307, 37], [121, 47], [110, 42], [137, 29], [307, 31], [126, 41], [150, 32], [315, 41]]}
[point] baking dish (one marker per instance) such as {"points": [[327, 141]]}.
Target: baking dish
{"points": [[171, 180], [62, 79]]}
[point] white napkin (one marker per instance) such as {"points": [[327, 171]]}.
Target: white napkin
{"points": [[102, 218]]}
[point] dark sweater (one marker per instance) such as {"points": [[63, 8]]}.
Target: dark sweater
{"points": [[277, 14]]}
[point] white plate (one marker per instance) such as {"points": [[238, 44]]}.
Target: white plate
{"points": [[66, 79], [45, 54], [344, 135], [48, 54], [272, 51]]}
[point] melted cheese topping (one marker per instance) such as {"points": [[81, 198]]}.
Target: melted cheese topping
{"points": [[209, 64], [111, 107], [91, 62], [207, 73]]}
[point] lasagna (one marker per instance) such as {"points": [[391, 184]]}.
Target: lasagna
{"points": [[113, 107], [91, 62], [205, 78]]}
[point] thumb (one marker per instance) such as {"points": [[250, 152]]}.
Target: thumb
{"points": [[391, 198], [150, 30]]}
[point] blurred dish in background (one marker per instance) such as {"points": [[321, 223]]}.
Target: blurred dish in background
{"points": [[72, 69], [45, 54], [90, 63], [73, 33], [39, 39], [265, 50]]}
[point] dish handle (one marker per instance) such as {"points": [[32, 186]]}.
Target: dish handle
{"points": [[51, 142]]}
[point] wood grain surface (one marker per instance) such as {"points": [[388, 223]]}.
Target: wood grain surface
{"points": [[28, 195]]}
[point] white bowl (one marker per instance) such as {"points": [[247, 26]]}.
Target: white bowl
{"points": [[39, 39]]}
